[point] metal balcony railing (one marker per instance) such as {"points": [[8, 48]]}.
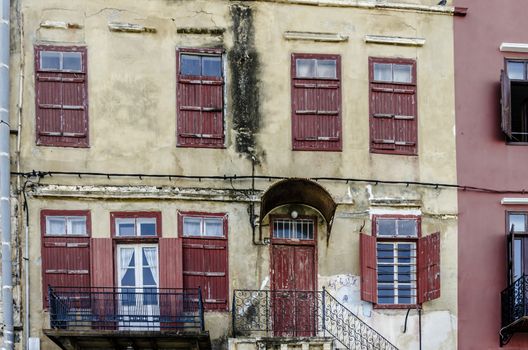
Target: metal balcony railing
{"points": [[514, 307], [302, 314], [146, 309]]}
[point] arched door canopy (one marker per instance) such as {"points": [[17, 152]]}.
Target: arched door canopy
{"points": [[300, 192]]}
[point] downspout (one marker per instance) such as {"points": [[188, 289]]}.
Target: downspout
{"points": [[5, 206]]}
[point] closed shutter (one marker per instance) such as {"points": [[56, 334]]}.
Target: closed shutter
{"points": [[506, 104], [205, 266], [393, 114], [65, 263], [102, 255], [200, 110], [316, 110], [429, 267], [62, 105], [369, 276]]}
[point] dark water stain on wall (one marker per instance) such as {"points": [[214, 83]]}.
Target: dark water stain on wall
{"points": [[244, 66]]}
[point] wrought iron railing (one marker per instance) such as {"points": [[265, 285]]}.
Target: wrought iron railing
{"points": [[79, 308], [514, 307], [302, 314]]}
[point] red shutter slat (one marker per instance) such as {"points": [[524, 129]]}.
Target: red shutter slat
{"points": [[429, 267], [170, 250], [65, 263], [506, 104], [369, 276], [102, 256]]}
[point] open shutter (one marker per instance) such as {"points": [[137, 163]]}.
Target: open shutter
{"points": [[429, 267], [65, 263], [102, 262], [506, 104], [511, 255], [367, 255], [170, 250]]}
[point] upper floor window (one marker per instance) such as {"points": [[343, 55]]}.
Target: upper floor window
{"points": [[203, 226], [61, 92], [393, 110], [398, 267], [517, 229], [65, 225], [200, 98], [316, 102], [136, 224], [514, 100]]}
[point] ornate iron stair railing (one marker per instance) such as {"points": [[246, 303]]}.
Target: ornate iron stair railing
{"points": [[302, 314], [514, 305]]}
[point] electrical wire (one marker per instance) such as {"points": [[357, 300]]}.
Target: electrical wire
{"points": [[43, 174]]}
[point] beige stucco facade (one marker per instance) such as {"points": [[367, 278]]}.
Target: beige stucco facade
{"points": [[132, 129]]}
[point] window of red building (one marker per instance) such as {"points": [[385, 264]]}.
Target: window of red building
{"points": [[65, 249], [393, 106], [200, 98], [398, 267], [316, 102], [61, 91], [205, 259]]}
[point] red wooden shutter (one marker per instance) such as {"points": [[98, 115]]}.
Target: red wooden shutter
{"points": [[65, 263], [393, 114], [316, 110], [61, 103], [429, 267], [171, 275], [205, 266], [102, 262], [200, 102], [506, 104], [369, 276]]}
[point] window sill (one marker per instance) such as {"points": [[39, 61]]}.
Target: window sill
{"points": [[395, 306], [390, 152]]}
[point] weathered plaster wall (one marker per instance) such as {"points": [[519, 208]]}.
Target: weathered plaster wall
{"points": [[132, 111]]}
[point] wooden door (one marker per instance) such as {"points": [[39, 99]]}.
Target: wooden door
{"points": [[293, 295]]}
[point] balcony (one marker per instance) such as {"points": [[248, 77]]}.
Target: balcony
{"points": [[127, 318], [514, 304], [276, 315]]}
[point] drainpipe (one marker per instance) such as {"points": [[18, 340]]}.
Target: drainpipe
{"points": [[5, 206]]}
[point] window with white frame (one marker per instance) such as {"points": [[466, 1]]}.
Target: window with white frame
{"points": [[396, 256], [135, 227], [66, 225], [203, 226]]}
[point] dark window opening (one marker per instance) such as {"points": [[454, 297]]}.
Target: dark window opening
{"points": [[514, 101]]}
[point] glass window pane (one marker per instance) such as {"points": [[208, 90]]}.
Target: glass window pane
{"points": [[407, 228], [404, 274], [150, 296], [78, 225], [191, 226], [326, 69], [404, 294], [125, 227], [518, 221], [404, 253], [148, 277], [305, 68], [214, 227], [129, 278], [50, 60], [71, 61], [515, 70], [385, 253], [212, 66], [147, 227], [385, 294], [385, 273], [190, 65], [128, 296], [402, 73], [518, 258], [382, 71], [386, 227], [56, 225]]}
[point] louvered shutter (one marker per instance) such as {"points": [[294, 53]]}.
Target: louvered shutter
{"points": [[200, 102], [65, 263], [369, 276], [61, 104], [393, 114], [506, 117], [429, 267], [511, 255], [205, 266], [316, 110]]}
